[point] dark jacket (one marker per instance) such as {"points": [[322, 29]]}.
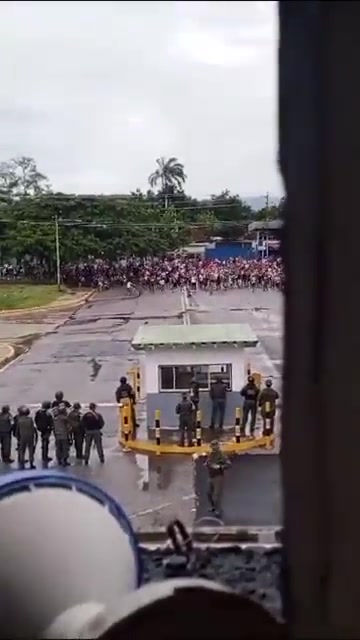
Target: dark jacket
{"points": [[218, 391], [44, 422], [6, 424], [61, 426], [92, 421], [185, 411], [250, 393], [57, 403], [125, 391], [25, 428], [217, 463], [74, 417], [195, 391], [267, 400]]}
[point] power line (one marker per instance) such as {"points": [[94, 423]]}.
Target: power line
{"points": [[127, 225]]}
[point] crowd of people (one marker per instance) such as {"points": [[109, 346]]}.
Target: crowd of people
{"points": [[171, 272]]}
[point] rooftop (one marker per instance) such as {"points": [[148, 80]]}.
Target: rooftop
{"points": [[198, 335]]}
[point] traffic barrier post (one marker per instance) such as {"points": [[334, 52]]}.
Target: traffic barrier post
{"points": [[157, 427], [237, 424], [124, 409], [138, 383], [198, 428]]}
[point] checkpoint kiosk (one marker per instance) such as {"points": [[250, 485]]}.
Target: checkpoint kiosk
{"points": [[172, 355]]}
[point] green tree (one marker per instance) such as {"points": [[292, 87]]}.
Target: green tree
{"points": [[20, 177], [169, 173]]}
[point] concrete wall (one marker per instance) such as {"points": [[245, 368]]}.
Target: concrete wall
{"points": [[167, 402]]}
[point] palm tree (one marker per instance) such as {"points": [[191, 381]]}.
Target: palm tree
{"points": [[170, 173]]}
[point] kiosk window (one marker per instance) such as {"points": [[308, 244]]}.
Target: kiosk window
{"points": [[178, 378]]}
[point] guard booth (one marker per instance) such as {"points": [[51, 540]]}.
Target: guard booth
{"points": [[175, 354]]}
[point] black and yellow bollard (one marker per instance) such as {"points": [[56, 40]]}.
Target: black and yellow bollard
{"points": [[157, 427], [237, 425], [138, 383], [248, 369], [125, 417], [198, 428]]}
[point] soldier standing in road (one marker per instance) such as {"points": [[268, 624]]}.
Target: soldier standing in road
{"points": [[125, 390], [250, 393], [267, 403], [44, 423], [59, 399], [61, 432], [218, 402], [185, 411], [92, 423], [27, 436], [6, 430], [77, 429], [216, 464]]}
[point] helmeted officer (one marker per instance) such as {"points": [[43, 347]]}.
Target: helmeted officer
{"points": [[218, 393], [267, 403], [6, 430], [125, 390], [185, 411], [44, 423], [61, 432], [77, 429], [59, 399], [27, 436], [216, 463], [250, 393], [92, 423]]}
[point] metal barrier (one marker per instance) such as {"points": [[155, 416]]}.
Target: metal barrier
{"points": [[239, 444]]}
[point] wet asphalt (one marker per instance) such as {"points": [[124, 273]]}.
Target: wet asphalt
{"points": [[85, 357]]}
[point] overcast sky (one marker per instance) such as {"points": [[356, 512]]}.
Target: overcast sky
{"points": [[96, 91]]}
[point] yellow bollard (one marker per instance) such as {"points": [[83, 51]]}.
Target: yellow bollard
{"points": [[198, 428], [237, 424], [157, 427], [125, 415], [257, 378]]}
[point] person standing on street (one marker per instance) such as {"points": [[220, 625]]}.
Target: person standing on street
{"points": [[185, 411], [218, 403], [59, 399], [27, 436], [77, 429], [250, 393], [267, 403], [44, 423], [6, 430], [92, 423], [61, 432], [217, 463]]}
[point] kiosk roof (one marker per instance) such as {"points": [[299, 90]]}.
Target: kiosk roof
{"points": [[152, 336]]}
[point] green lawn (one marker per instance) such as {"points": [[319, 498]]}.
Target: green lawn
{"points": [[22, 296]]}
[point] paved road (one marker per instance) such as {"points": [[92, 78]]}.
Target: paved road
{"points": [[85, 357], [252, 495]]}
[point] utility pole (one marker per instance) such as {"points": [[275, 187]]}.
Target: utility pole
{"points": [[57, 246], [267, 223]]}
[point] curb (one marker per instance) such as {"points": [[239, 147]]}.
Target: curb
{"points": [[56, 307], [4, 360]]}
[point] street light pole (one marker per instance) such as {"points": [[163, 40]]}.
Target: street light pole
{"points": [[57, 246], [267, 224]]}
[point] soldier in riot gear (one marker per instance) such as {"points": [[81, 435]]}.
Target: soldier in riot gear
{"points": [[125, 390], [59, 399], [27, 436], [93, 422], [77, 429], [267, 403], [6, 429], [250, 393], [61, 431], [185, 411], [216, 463], [44, 423]]}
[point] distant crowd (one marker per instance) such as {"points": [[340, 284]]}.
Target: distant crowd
{"points": [[152, 273]]}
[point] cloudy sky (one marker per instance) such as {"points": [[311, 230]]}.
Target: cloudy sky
{"points": [[95, 91]]}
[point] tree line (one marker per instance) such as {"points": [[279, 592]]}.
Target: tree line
{"points": [[157, 221]]}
